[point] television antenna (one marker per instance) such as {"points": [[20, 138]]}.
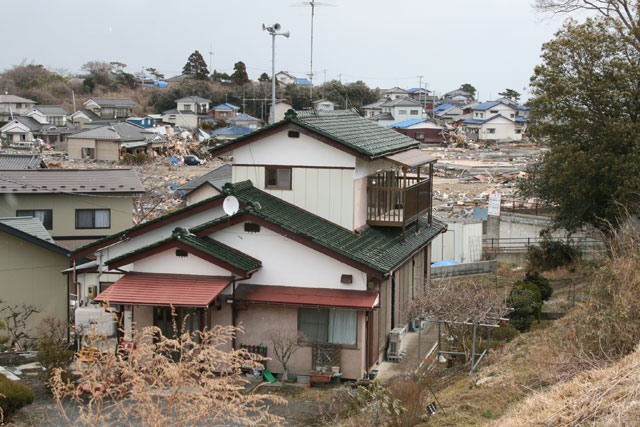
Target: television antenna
{"points": [[313, 4], [231, 205]]}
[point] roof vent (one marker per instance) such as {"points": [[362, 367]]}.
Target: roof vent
{"points": [[294, 134]]}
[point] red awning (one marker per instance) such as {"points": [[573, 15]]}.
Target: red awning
{"points": [[339, 298], [179, 290]]}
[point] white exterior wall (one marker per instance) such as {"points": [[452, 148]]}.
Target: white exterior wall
{"points": [[504, 129], [167, 262], [158, 234], [288, 263], [323, 187], [200, 194]]}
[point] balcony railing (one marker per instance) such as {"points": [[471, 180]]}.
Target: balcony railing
{"points": [[395, 200]]}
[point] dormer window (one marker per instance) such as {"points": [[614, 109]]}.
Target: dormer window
{"points": [[277, 178]]}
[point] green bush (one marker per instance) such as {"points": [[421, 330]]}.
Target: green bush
{"points": [[526, 301], [541, 282], [550, 254], [51, 356], [134, 159], [13, 396], [503, 334]]}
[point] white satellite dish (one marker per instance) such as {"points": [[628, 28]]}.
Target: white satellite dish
{"points": [[230, 205]]}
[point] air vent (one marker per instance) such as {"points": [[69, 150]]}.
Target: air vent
{"points": [[251, 227], [294, 134], [181, 253], [346, 279]]}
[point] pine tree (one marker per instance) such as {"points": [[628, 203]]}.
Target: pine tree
{"points": [[239, 76], [196, 67]]}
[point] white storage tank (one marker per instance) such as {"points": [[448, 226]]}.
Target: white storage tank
{"points": [[95, 320]]}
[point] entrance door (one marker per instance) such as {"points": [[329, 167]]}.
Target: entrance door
{"points": [[189, 317]]}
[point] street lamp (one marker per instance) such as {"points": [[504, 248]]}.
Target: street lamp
{"points": [[273, 31]]}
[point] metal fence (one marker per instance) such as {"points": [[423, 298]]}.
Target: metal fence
{"points": [[521, 244]]}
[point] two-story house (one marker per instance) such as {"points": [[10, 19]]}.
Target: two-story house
{"points": [[224, 111], [492, 121], [110, 108], [395, 93], [188, 112], [12, 105], [76, 206], [48, 114], [325, 228], [398, 110]]}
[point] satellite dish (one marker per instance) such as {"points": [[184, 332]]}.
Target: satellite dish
{"points": [[230, 205], [277, 26]]}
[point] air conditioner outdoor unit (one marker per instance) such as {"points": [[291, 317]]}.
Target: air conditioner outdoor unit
{"points": [[395, 351]]}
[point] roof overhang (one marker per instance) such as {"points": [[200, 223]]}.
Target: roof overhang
{"points": [[307, 297], [411, 158], [178, 290]]}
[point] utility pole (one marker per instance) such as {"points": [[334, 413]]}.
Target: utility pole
{"points": [[420, 95], [210, 58]]}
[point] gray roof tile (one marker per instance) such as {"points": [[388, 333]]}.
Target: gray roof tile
{"points": [[88, 181]]}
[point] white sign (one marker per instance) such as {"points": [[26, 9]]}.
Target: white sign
{"points": [[494, 204]]}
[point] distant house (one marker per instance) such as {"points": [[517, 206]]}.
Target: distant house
{"points": [[374, 108], [323, 105], [423, 130], [245, 120], [230, 132], [395, 93], [208, 185], [458, 97], [493, 120], [449, 113], [196, 104], [398, 110], [302, 81], [110, 142], [48, 114], [21, 161], [224, 111], [31, 262], [285, 78], [83, 117], [110, 108], [29, 128], [76, 206], [12, 105]]}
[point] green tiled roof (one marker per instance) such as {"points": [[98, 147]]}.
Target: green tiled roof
{"points": [[343, 126], [381, 249], [349, 128], [209, 246]]}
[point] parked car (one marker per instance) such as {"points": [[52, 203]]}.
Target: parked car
{"points": [[193, 160]]}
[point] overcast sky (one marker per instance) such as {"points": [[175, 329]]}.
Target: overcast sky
{"points": [[492, 44]]}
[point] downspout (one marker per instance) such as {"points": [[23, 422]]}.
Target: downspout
{"points": [[233, 313]]}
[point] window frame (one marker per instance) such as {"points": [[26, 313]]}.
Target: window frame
{"points": [[327, 311], [276, 168], [33, 211], [93, 219]]}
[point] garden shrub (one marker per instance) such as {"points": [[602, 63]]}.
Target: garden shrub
{"points": [[13, 396], [503, 334], [541, 282], [52, 356], [550, 254], [526, 301]]}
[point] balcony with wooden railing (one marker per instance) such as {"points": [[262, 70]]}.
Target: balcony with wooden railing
{"points": [[396, 198]]}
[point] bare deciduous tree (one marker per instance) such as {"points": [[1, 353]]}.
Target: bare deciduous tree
{"points": [[15, 319], [625, 12], [285, 342], [193, 379], [459, 302]]}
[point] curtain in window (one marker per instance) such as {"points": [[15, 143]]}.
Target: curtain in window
{"points": [[343, 327], [313, 324], [84, 219], [102, 218], [284, 177], [41, 215]]}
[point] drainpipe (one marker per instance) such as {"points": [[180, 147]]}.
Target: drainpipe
{"points": [[233, 313]]}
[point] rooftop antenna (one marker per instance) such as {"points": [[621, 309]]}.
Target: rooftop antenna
{"points": [[313, 5]]}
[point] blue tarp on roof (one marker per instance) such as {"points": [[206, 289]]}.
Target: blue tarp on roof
{"points": [[225, 106], [232, 130], [486, 105], [443, 263], [443, 107], [406, 123]]}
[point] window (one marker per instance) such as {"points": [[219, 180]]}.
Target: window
{"points": [[88, 153], [494, 111], [402, 112], [93, 218], [414, 112], [293, 134], [329, 326], [512, 115], [491, 130], [278, 177], [223, 114], [187, 107], [419, 135], [45, 216]]}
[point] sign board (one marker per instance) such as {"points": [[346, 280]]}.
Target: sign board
{"points": [[494, 204]]}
